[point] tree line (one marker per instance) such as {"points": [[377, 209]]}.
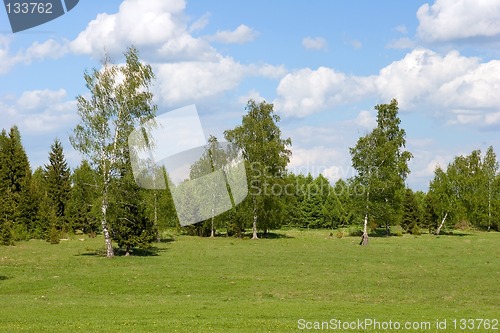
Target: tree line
{"points": [[101, 194]]}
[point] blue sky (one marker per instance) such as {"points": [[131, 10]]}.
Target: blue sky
{"points": [[324, 65]]}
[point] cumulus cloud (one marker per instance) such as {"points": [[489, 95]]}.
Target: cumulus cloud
{"points": [[191, 81], [464, 89], [314, 43], [449, 82], [241, 35], [36, 51], [252, 94], [366, 119], [149, 25], [7, 60], [450, 20], [306, 91], [39, 111]]}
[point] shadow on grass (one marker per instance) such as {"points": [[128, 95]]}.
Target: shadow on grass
{"points": [[454, 233], [166, 240], [272, 235], [135, 252], [378, 233], [3, 277]]}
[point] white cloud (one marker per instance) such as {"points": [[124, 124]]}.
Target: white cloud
{"points": [[402, 43], [366, 119], [423, 81], [7, 60], [241, 35], [314, 43], [200, 23], [252, 94], [149, 25], [191, 81], [39, 111], [449, 20], [36, 99], [48, 49], [308, 91], [37, 51]]}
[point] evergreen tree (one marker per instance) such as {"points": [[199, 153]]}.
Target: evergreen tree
{"points": [[130, 224], [411, 213], [57, 176], [82, 206], [15, 176]]}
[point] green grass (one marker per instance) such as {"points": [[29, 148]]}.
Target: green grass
{"points": [[232, 285]]}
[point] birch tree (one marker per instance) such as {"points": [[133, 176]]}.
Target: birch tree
{"points": [[266, 155], [119, 100], [490, 169], [382, 167]]}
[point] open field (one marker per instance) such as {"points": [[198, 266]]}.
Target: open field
{"points": [[193, 284]]}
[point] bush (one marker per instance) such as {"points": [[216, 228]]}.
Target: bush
{"points": [[463, 225], [339, 234], [355, 231], [397, 230], [415, 230], [54, 236]]}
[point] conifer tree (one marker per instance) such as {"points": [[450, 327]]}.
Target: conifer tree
{"points": [[57, 175]]}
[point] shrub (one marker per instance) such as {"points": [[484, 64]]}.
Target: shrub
{"points": [[463, 225], [415, 230], [355, 231], [397, 230], [372, 226]]}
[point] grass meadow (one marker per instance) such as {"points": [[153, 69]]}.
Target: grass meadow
{"points": [[192, 284]]}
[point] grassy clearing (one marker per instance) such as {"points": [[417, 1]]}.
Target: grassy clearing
{"points": [[232, 285]]}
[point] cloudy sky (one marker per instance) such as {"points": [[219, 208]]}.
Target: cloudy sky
{"points": [[324, 65]]}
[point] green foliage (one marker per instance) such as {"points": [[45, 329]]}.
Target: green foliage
{"points": [[57, 177], [129, 223], [266, 155], [382, 165], [397, 230], [467, 191], [411, 218], [120, 100], [83, 204]]}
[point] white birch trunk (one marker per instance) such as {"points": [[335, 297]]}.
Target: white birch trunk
{"points": [[254, 226], [442, 223], [364, 237], [107, 238]]}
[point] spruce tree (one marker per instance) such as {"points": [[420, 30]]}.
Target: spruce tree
{"points": [[15, 175], [411, 213], [57, 175], [130, 225], [82, 206]]}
